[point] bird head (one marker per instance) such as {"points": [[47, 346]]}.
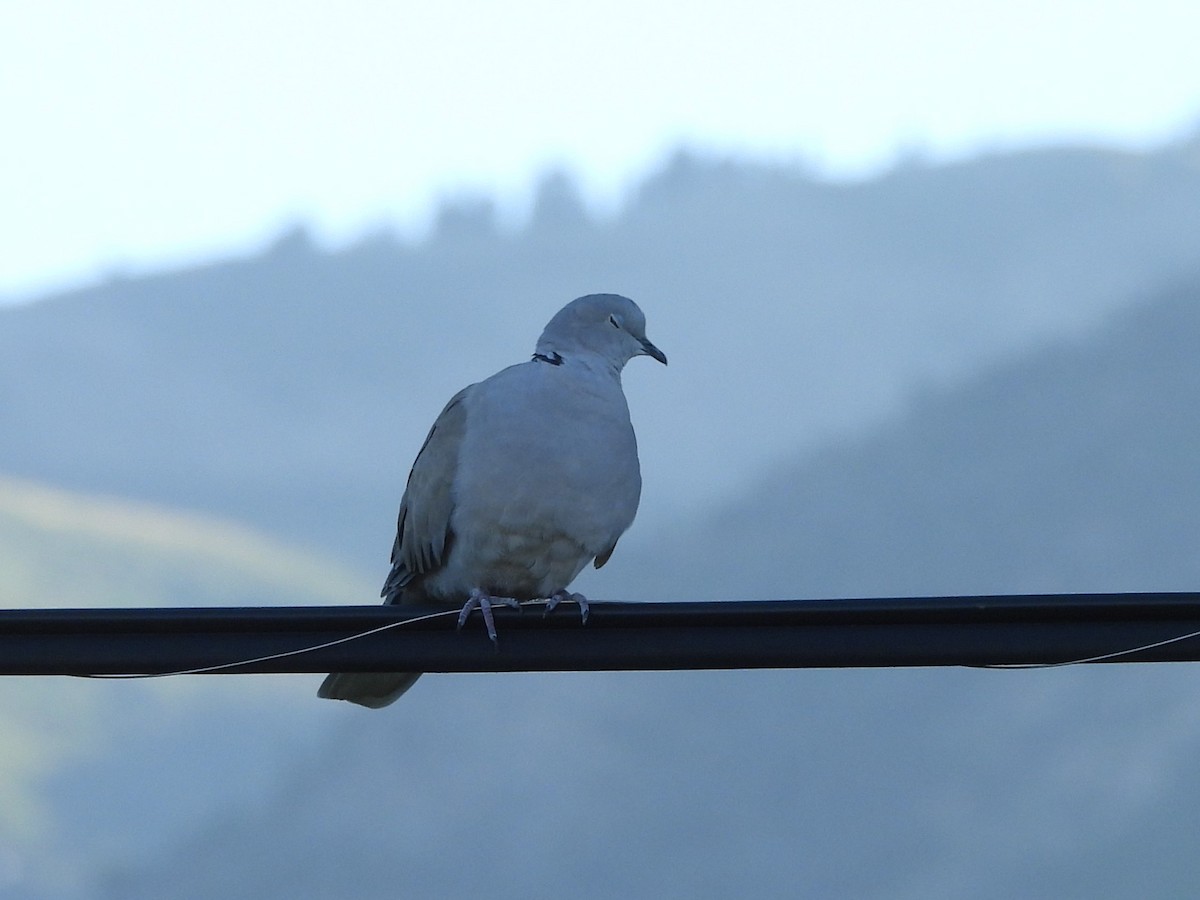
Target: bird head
{"points": [[606, 325]]}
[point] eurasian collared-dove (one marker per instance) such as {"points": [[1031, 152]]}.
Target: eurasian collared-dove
{"points": [[524, 479]]}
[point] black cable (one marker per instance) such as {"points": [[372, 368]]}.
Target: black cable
{"points": [[1005, 630]]}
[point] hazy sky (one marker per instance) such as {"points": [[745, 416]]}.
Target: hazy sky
{"points": [[144, 134]]}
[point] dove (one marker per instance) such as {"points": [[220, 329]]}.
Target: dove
{"points": [[524, 479]]}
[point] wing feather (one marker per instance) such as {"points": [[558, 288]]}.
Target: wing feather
{"points": [[423, 534], [602, 558]]}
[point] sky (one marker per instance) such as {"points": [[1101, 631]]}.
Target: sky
{"points": [[141, 136]]}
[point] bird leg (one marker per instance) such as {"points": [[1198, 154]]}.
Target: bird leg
{"points": [[559, 596], [483, 601]]}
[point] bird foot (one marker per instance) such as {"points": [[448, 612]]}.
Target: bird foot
{"points": [[559, 596], [483, 601]]}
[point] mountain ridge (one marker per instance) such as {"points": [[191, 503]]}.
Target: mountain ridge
{"points": [[265, 387]]}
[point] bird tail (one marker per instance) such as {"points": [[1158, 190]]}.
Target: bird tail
{"points": [[371, 689]]}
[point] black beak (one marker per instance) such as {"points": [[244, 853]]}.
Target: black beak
{"points": [[650, 350]]}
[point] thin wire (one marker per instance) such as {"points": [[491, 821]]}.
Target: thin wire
{"points": [[452, 612], [1091, 659], [286, 653]]}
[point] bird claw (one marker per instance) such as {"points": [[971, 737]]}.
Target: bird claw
{"points": [[559, 596], [483, 601]]}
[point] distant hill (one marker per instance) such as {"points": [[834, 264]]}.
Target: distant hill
{"points": [[292, 389], [63, 549], [101, 773], [1069, 467], [1073, 467]]}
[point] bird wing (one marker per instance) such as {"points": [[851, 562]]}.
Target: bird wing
{"points": [[603, 557], [423, 534]]}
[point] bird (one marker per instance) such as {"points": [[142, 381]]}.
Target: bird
{"points": [[524, 479]]}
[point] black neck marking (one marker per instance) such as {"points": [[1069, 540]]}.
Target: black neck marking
{"points": [[554, 359]]}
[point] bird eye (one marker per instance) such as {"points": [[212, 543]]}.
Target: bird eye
{"points": [[615, 323]]}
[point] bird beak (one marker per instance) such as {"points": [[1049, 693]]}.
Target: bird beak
{"points": [[650, 350]]}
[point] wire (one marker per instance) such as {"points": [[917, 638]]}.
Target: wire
{"points": [[286, 653], [1091, 659]]}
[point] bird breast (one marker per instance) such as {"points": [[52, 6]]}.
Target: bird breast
{"points": [[536, 503]]}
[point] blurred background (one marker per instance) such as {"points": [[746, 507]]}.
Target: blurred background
{"points": [[929, 278]]}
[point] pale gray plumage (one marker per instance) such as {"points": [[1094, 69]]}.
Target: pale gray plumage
{"points": [[524, 479]]}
